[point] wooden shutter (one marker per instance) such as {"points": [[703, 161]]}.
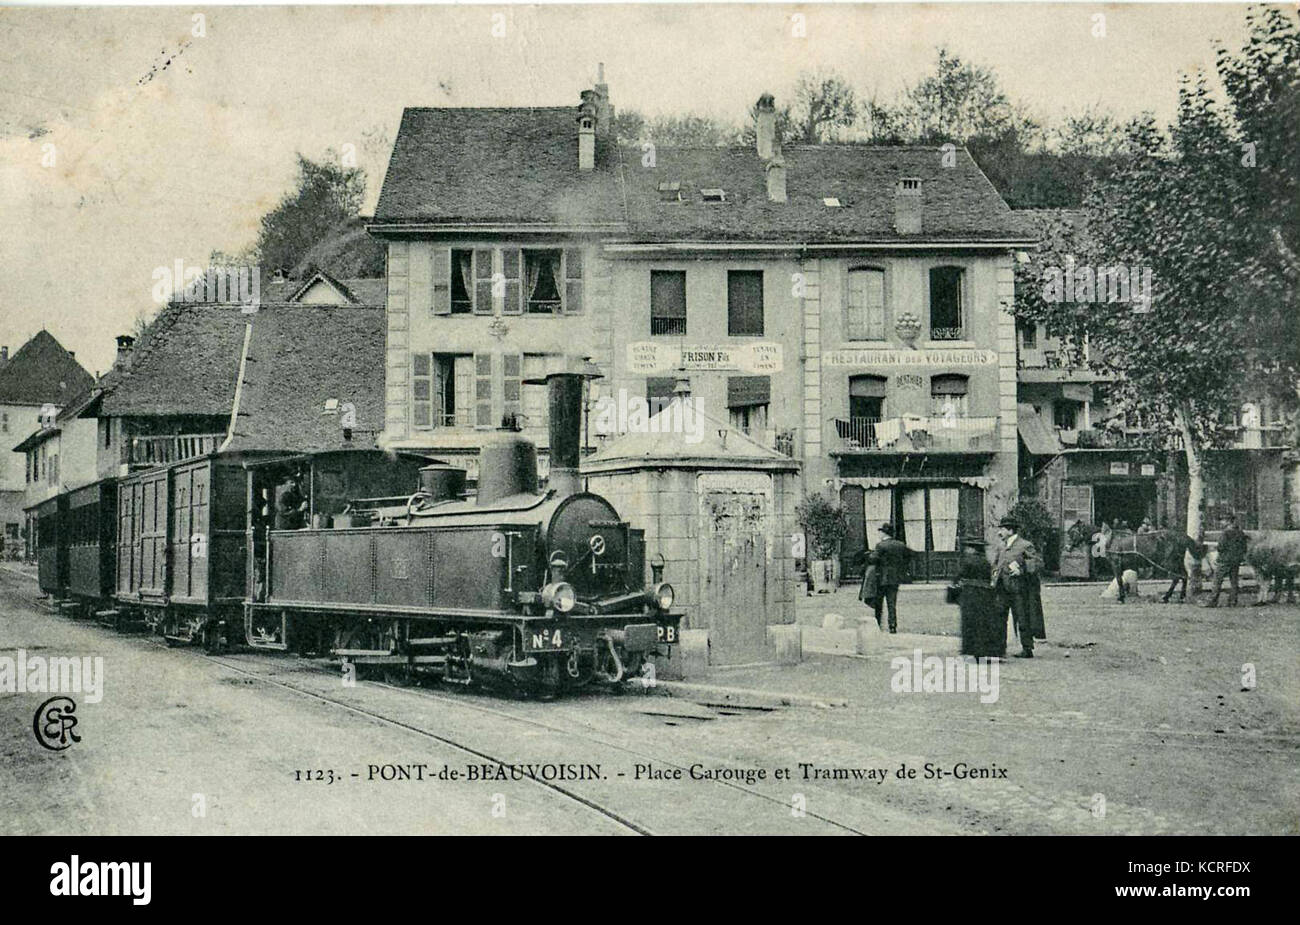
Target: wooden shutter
{"points": [[483, 281], [441, 281], [483, 390], [571, 290], [512, 270], [511, 372]]}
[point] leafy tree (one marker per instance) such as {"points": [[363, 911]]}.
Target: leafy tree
{"points": [[823, 523], [688, 131], [325, 196], [958, 102], [1222, 322], [824, 105]]}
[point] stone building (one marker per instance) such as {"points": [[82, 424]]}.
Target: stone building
{"points": [[848, 306]]}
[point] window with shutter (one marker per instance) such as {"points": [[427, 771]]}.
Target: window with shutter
{"points": [[659, 392], [534, 401], [744, 303], [946, 299], [421, 391], [441, 281], [483, 390], [483, 281], [865, 309], [543, 277], [510, 261], [667, 302], [948, 396], [573, 304], [511, 389], [462, 282]]}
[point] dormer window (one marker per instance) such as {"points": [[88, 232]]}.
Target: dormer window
{"points": [[670, 192], [713, 195]]}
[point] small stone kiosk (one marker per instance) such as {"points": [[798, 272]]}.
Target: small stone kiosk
{"points": [[719, 508]]}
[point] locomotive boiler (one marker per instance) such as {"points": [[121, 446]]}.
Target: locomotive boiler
{"points": [[542, 589]]}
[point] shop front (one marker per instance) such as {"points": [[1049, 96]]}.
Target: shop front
{"points": [[931, 502]]}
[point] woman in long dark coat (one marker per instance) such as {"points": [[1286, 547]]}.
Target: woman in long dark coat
{"points": [[983, 632]]}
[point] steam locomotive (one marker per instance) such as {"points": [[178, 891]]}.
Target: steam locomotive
{"points": [[376, 560]]}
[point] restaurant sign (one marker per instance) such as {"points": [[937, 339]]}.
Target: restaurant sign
{"points": [[928, 357]]}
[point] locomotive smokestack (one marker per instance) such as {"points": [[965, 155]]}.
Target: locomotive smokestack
{"points": [[564, 407]]}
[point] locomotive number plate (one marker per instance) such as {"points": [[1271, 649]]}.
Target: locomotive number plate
{"points": [[668, 634], [548, 638]]}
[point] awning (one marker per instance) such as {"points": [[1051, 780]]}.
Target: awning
{"points": [[1077, 391], [871, 481], [745, 391], [1039, 439]]}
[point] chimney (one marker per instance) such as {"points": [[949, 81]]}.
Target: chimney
{"points": [[776, 178], [564, 419], [907, 206], [604, 109], [765, 133], [125, 344], [587, 116]]}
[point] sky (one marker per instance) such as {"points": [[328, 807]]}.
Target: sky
{"points": [[128, 142]]}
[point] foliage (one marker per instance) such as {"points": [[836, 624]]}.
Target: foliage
{"points": [[824, 105], [325, 196], [1036, 522], [823, 524], [1216, 223]]}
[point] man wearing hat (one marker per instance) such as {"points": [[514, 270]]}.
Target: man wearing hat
{"points": [[890, 559], [1015, 584]]}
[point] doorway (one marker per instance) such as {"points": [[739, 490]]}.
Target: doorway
{"points": [[1124, 501]]}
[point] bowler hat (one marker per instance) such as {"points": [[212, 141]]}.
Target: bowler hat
{"points": [[887, 529], [1010, 522]]}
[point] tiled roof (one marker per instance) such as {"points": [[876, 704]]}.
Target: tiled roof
{"points": [[958, 202], [508, 165], [520, 166], [372, 292], [715, 444], [186, 363], [42, 372], [299, 358]]}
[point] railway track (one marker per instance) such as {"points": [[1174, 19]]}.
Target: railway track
{"points": [[777, 807], [461, 747]]}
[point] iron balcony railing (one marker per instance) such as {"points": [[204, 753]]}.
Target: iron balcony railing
{"points": [[918, 433], [169, 448], [668, 326]]}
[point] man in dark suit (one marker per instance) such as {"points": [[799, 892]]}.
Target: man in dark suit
{"points": [[1016, 584], [890, 559], [1232, 552]]}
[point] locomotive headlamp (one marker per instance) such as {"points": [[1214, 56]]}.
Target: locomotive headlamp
{"points": [[661, 596], [559, 596]]}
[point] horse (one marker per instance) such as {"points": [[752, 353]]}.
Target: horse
{"points": [[1275, 556], [1164, 553]]}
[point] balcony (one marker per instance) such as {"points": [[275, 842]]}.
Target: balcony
{"points": [[945, 334], [675, 327], [917, 434], [170, 448]]}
